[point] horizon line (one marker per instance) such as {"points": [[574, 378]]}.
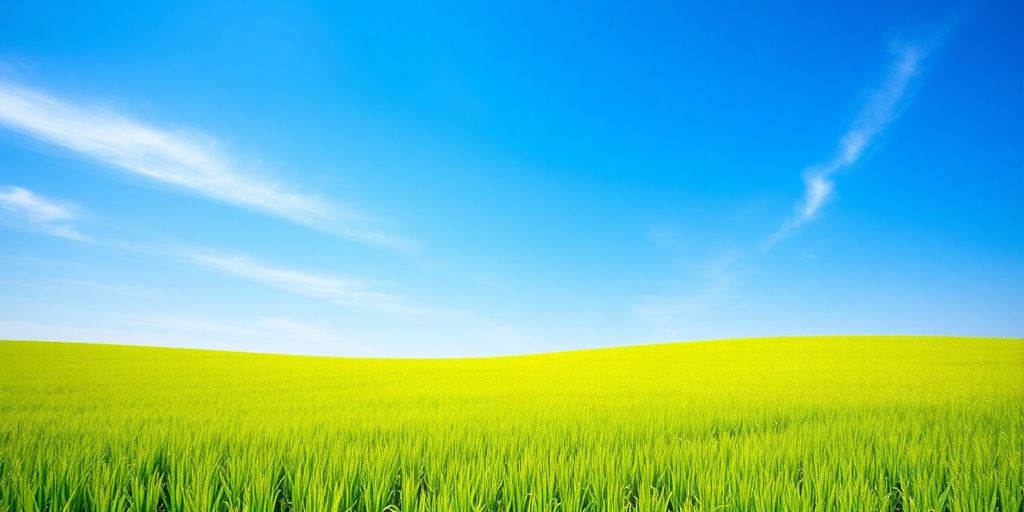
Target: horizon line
{"points": [[515, 355]]}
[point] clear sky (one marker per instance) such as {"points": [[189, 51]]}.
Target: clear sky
{"points": [[447, 178]]}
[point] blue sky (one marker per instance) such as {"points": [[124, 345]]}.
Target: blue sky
{"points": [[456, 179]]}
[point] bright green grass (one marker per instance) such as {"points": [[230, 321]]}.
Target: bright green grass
{"points": [[887, 423]]}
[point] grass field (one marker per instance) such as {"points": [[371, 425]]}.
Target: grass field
{"points": [[890, 423]]}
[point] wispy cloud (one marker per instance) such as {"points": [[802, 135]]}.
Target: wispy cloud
{"points": [[880, 110], [107, 288], [63, 285], [344, 292], [266, 327], [707, 286], [186, 160], [671, 311], [263, 334], [25, 209]]}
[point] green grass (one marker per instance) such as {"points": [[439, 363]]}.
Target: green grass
{"points": [[858, 423]]}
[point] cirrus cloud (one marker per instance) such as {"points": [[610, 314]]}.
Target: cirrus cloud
{"points": [[182, 159], [25, 209], [880, 110]]}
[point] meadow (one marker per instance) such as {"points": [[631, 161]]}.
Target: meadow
{"points": [[829, 423]]}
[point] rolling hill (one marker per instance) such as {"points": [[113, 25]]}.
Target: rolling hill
{"points": [[825, 423]]}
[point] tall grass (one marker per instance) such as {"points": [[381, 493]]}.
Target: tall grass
{"points": [[910, 424]]}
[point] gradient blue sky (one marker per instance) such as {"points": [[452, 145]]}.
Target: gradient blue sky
{"points": [[456, 179]]}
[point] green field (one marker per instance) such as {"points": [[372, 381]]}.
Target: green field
{"points": [[832, 423]]}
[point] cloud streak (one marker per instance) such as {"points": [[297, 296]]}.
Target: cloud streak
{"points": [[261, 334], [345, 292], [708, 286], [187, 161], [24, 209], [880, 110]]}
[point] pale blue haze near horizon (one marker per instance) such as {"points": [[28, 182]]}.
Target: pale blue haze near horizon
{"points": [[453, 178]]}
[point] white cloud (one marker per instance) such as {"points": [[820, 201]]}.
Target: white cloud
{"points": [[295, 329], [268, 334], [708, 286], [188, 161], [131, 290], [344, 292], [64, 285], [24, 209], [671, 311], [880, 110], [280, 328]]}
